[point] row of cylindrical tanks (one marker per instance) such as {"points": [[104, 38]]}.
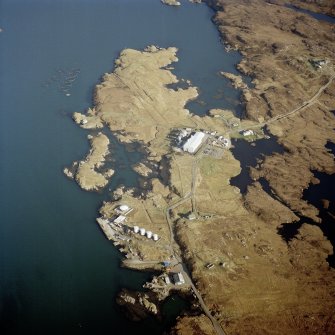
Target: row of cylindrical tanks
{"points": [[143, 232]]}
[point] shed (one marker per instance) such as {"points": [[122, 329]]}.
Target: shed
{"points": [[120, 219], [248, 132], [178, 278], [192, 216]]}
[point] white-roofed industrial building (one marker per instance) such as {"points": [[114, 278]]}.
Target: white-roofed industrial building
{"points": [[194, 142], [120, 219], [178, 278], [124, 208]]}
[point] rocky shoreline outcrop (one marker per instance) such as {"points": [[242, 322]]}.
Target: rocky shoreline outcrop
{"points": [[171, 2], [88, 120], [86, 172], [137, 305], [236, 80]]}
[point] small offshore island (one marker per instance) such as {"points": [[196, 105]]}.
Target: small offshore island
{"points": [[209, 242]]}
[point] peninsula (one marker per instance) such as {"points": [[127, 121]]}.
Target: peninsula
{"points": [[191, 224]]}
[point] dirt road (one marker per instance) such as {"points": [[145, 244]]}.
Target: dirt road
{"points": [[180, 266]]}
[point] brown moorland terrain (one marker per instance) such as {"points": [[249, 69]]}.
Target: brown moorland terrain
{"points": [[267, 286]]}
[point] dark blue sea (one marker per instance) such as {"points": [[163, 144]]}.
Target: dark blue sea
{"points": [[58, 273]]}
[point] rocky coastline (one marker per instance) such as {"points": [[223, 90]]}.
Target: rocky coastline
{"points": [[86, 172], [191, 203]]}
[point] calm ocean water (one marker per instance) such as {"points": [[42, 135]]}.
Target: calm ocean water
{"points": [[59, 275]]}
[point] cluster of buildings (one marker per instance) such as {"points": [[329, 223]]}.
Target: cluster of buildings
{"points": [[121, 214], [187, 140], [221, 142], [318, 63], [115, 228], [121, 217], [191, 141]]}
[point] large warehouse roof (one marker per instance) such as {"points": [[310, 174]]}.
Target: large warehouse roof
{"points": [[194, 142]]}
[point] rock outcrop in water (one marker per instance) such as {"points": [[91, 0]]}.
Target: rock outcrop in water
{"points": [[171, 2], [236, 80], [89, 120], [138, 306], [86, 172]]}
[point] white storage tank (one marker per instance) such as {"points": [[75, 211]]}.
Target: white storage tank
{"points": [[136, 229], [149, 234], [142, 231], [155, 237]]}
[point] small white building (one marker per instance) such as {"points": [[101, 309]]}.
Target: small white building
{"points": [[183, 133], [226, 142], [194, 142], [124, 208], [192, 216], [120, 219], [178, 278], [248, 132]]}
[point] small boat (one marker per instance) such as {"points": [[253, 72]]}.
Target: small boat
{"points": [[67, 94]]}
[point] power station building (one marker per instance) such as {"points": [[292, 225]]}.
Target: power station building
{"points": [[194, 142]]}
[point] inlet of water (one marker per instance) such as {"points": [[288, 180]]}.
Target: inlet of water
{"points": [[249, 153], [317, 16]]}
